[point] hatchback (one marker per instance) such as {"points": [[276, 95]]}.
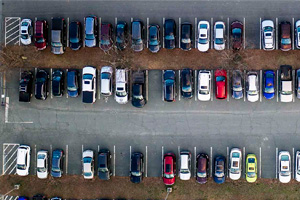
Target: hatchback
{"points": [[170, 34], [41, 34], [169, 87], [88, 164], [137, 30], [57, 163], [237, 84], [57, 83], [41, 85], [186, 36], [185, 165], [91, 34], [136, 167], [221, 84], [106, 40], [23, 160], [202, 165], [186, 76], [285, 41], [268, 84], [121, 35], [104, 162], [219, 169], [75, 35], [237, 29], [154, 38], [169, 169], [42, 164]]}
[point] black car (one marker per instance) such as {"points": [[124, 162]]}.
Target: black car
{"points": [[73, 83], [139, 89], [104, 160], [57, 163], [137, 167], [75, 35], [41, 85], [186, 36], [170, 34], [25, 86], [154, 42], [169, 85], [202, 168], [39, 197], [57, 83], [121, 35], [186, 83], [137, 30]]}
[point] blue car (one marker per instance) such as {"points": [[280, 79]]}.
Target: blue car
{"points": [[23, 198], [57, 163], [268, 84], [72, 83], [219, 172]]}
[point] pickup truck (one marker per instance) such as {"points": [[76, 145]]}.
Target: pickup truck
{"points": [[286, 83], [58, 35], [89, 84], [139, 89], [25, 86]]}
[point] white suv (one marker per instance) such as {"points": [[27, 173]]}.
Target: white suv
{"points": [[252, 87], [88, 164], [203, 36], [219, 36], [89, 84], [42, 164], [121, 94], [297, 166], [185, 165], [284, 159], [268, 35], [23, 160], [235, 165], [204, 84]]}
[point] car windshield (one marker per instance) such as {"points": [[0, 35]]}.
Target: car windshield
{"points": [[184, 171], [105, 75], [56, 44], [185, 40], [204, 92], [121, 94], [40, 80], [88, 174], [236, 31], [269, 88], [251, 174], [19, 166], [203, 41], [237, 86], [268, 29], [89, 36], [40, 40], [24, 36], [219, 41], [286, 41], [140, 97], [169, 175], [41, 169], [105, 42], [119, 40], [201, 175], [88, 76], [234, 170], [103, 169], [186, 88], [153, 42], [72, 88], [251, 160], [136, 173], [286, 92], [55, 169], [252, 92], [87, 160], [74, 40], [170, 37], [284, 158]]}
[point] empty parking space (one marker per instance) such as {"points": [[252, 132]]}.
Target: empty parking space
{"points": [[12, 31]]}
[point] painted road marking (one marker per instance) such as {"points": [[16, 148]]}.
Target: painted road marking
{"points": [[162, 160], [9, 158], [227, 161], [260, 162], [67, 158], [211, 152], [276, 162], [114, 173], [244, 31], [211, 32], [12, 30], [195, 160], [146, 168], [260, 33]]}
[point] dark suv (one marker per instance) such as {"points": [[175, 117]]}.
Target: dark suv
{"points": [[57, 83], [57, 163], [73, 83], [137, 167], [121, 35], [154, 42], [106, 41], [170, 34], [75, 35], [285, 36], [137, 36], [104, 160], [25, 86], [41, 85], [186, 36], [139, 89], [169, 88], [186, 76]]}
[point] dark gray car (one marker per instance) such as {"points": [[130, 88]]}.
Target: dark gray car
{"points": [[237, 85], [137, 36], [104, 159]]}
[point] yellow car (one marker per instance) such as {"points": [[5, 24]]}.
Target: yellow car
{"points": [[251, 168]]}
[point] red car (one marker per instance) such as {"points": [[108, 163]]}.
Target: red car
{"points": [[106, 41], [221, 84], [40, 34], [169, 169], [237, 35]]}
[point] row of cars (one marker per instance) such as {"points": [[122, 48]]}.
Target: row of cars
{"points": [[88, 85]]}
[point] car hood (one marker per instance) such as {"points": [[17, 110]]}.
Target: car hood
{"points": [[186, 46], [56, 174], [138, 47], [219, 46], [57, 50], [203, 47], [74, 46], [252, 98], [103, 175], [26, 41], [284, 179], [22, 172], [251, 180], [40, 46], [235, 176], [90, 43], [136, 179]]}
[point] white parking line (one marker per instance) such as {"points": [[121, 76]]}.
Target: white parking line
{"points": [[178, 155], [244, 78], [276, 162], [14, 167], [276, 36], [196, 29], [98, 148], [259, 33], [293, 162], [244, 31], [35, 160], [162, 85], [228, 36], [162, 160], [67, 157], [83, 35], [129, 158], [277, 83], [99, 34], [98, 83], [179, 90], [195, 84], [6, 109], [228, 80], [163, 32], [211, 32], [211, 152], [227, 161], [146, 168], [67, 94], [293, 84], [147, 86], [244, 159], [147, 31], [293, 33], [179, 32], [51, 93], [259, 162], [82, 149], [260, 86], [114, 172], [68, 21], [195, 160], [212, 80]]}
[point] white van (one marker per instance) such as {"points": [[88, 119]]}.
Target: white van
{"points": [[185, 165], [121, 94]]}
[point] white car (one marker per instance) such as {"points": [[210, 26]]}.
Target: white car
{"points": [[121, 94], [204, 84], [89, 84], [284, 165], [23, 160], [297, 34], [268, 35], [203, 36], [219, 36], [42, 164], [185, 165], [235, 165], [286, 83], [252, 87], [297, 166], [26, 31], [106, 80], [88, 164]]}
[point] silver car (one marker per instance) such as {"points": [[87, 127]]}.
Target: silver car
{"points": [[91, 24]]}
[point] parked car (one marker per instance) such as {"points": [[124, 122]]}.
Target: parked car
{"points": [[23, 198], [297, 83], [154, 38], [252, 86], [235, 165], [106, 40], [202, 166], [219, 36], [285, 84], [89, 84], [104, 162], [285, 36], [106, 80], [56, 198], [121, 94], [203, 36], [136, 167], [41, 85], [26, 31], [237, 29], [137, 32], [170, 34], [42, 164], [39, 197], [41, 34], [169, 88], [237, 85], [58, 83], [121, 35], [75, 35], [88, 164], [186, 83], [73, 83], [221, 84], [297, 166], [268, 35], [268, 84], [185, 165], [186, 36], [297, 34], [25, 86], [169, 169], [219, 169], [57, 163], [58, 35], [91, 31], [251, 168], [23, 160], [285, 172], [204, 85], [139, 88]]}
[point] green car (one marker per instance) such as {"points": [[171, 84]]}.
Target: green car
{"points": [[251, 168]]}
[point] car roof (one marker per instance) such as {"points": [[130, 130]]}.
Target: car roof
{"points": [[136, 29], [89, 25]]}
